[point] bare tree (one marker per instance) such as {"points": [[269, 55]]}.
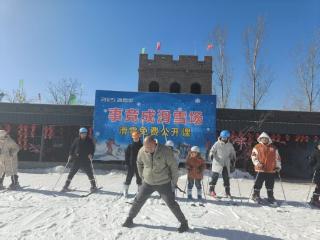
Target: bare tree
{"points": [[308, 73], [222, 71], [17, 96], [260, 78], [66, 91]]}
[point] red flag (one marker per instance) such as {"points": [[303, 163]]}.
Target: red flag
{"points": [[209, 47], [158, 46]]}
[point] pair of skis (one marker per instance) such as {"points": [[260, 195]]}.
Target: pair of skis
{"points": [[199, 203], [85, 194], [13, 189]]}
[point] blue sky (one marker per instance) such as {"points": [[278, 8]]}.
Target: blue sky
{"points": [[98, 42]]}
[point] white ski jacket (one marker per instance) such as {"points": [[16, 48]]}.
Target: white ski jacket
{"points": [[8, 155], [222, 154]]}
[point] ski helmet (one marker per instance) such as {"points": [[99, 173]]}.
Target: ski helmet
{"points": [[195, 149], [225, 134], [169, 143], [83, 130]]}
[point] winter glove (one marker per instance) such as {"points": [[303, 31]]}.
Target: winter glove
{"points": [[258, 164]]}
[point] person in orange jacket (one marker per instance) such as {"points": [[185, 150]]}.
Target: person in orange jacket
{"points": [[266, 161], [195, 166]]}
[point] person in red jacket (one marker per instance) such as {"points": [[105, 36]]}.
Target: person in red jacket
{"points": [[195, 166], [266, 161]]}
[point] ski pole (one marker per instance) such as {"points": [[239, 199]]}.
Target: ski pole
{"points": [[180, 190], [208, 183], [253, 186], [310, 186], [94, 174], [204, 193], [185, 187], [238, 185], [65, 167], [284, 195]]}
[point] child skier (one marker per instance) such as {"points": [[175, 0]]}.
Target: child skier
{"points": [[195, 166], [266, 160], [223, 158]]}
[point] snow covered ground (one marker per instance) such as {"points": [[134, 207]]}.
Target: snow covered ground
{"points": [[38, 212]]}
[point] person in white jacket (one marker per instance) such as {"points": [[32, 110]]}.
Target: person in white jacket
{"points": [[223, 157], [8, 160]]}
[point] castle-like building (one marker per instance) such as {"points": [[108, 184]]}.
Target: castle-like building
{"points": [[185, 75]]}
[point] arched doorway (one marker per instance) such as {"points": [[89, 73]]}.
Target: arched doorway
{"points": [[195, 88], [175, 87], [154, 86]]}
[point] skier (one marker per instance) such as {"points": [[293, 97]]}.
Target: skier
{"points": [[131, 161], [315, 164], [81, 151], [223, 158], [195, 166], [266, 160], [159, 172], [8, 160]]}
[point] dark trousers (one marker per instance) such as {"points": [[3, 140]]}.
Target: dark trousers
{"points": [[165, 191], [131, 172], [192, 182], [84, 166], [225, 176], [268, 178]]}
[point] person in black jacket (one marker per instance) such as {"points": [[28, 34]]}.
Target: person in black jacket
{"points": [[131, 161], [81, 152], [315, 164]]}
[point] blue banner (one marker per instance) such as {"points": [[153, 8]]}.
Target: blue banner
{"points": [[186, 119]]}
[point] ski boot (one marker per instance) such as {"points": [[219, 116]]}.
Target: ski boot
{"points": [[256, 196], [227, 192], [183, 227], [271, 198], [315, 201], [66, 186], [128, 223], [14, 183], [212, 192], [93, 187]]}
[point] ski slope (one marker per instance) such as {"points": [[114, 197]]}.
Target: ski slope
{"points": [[38, 212]]}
